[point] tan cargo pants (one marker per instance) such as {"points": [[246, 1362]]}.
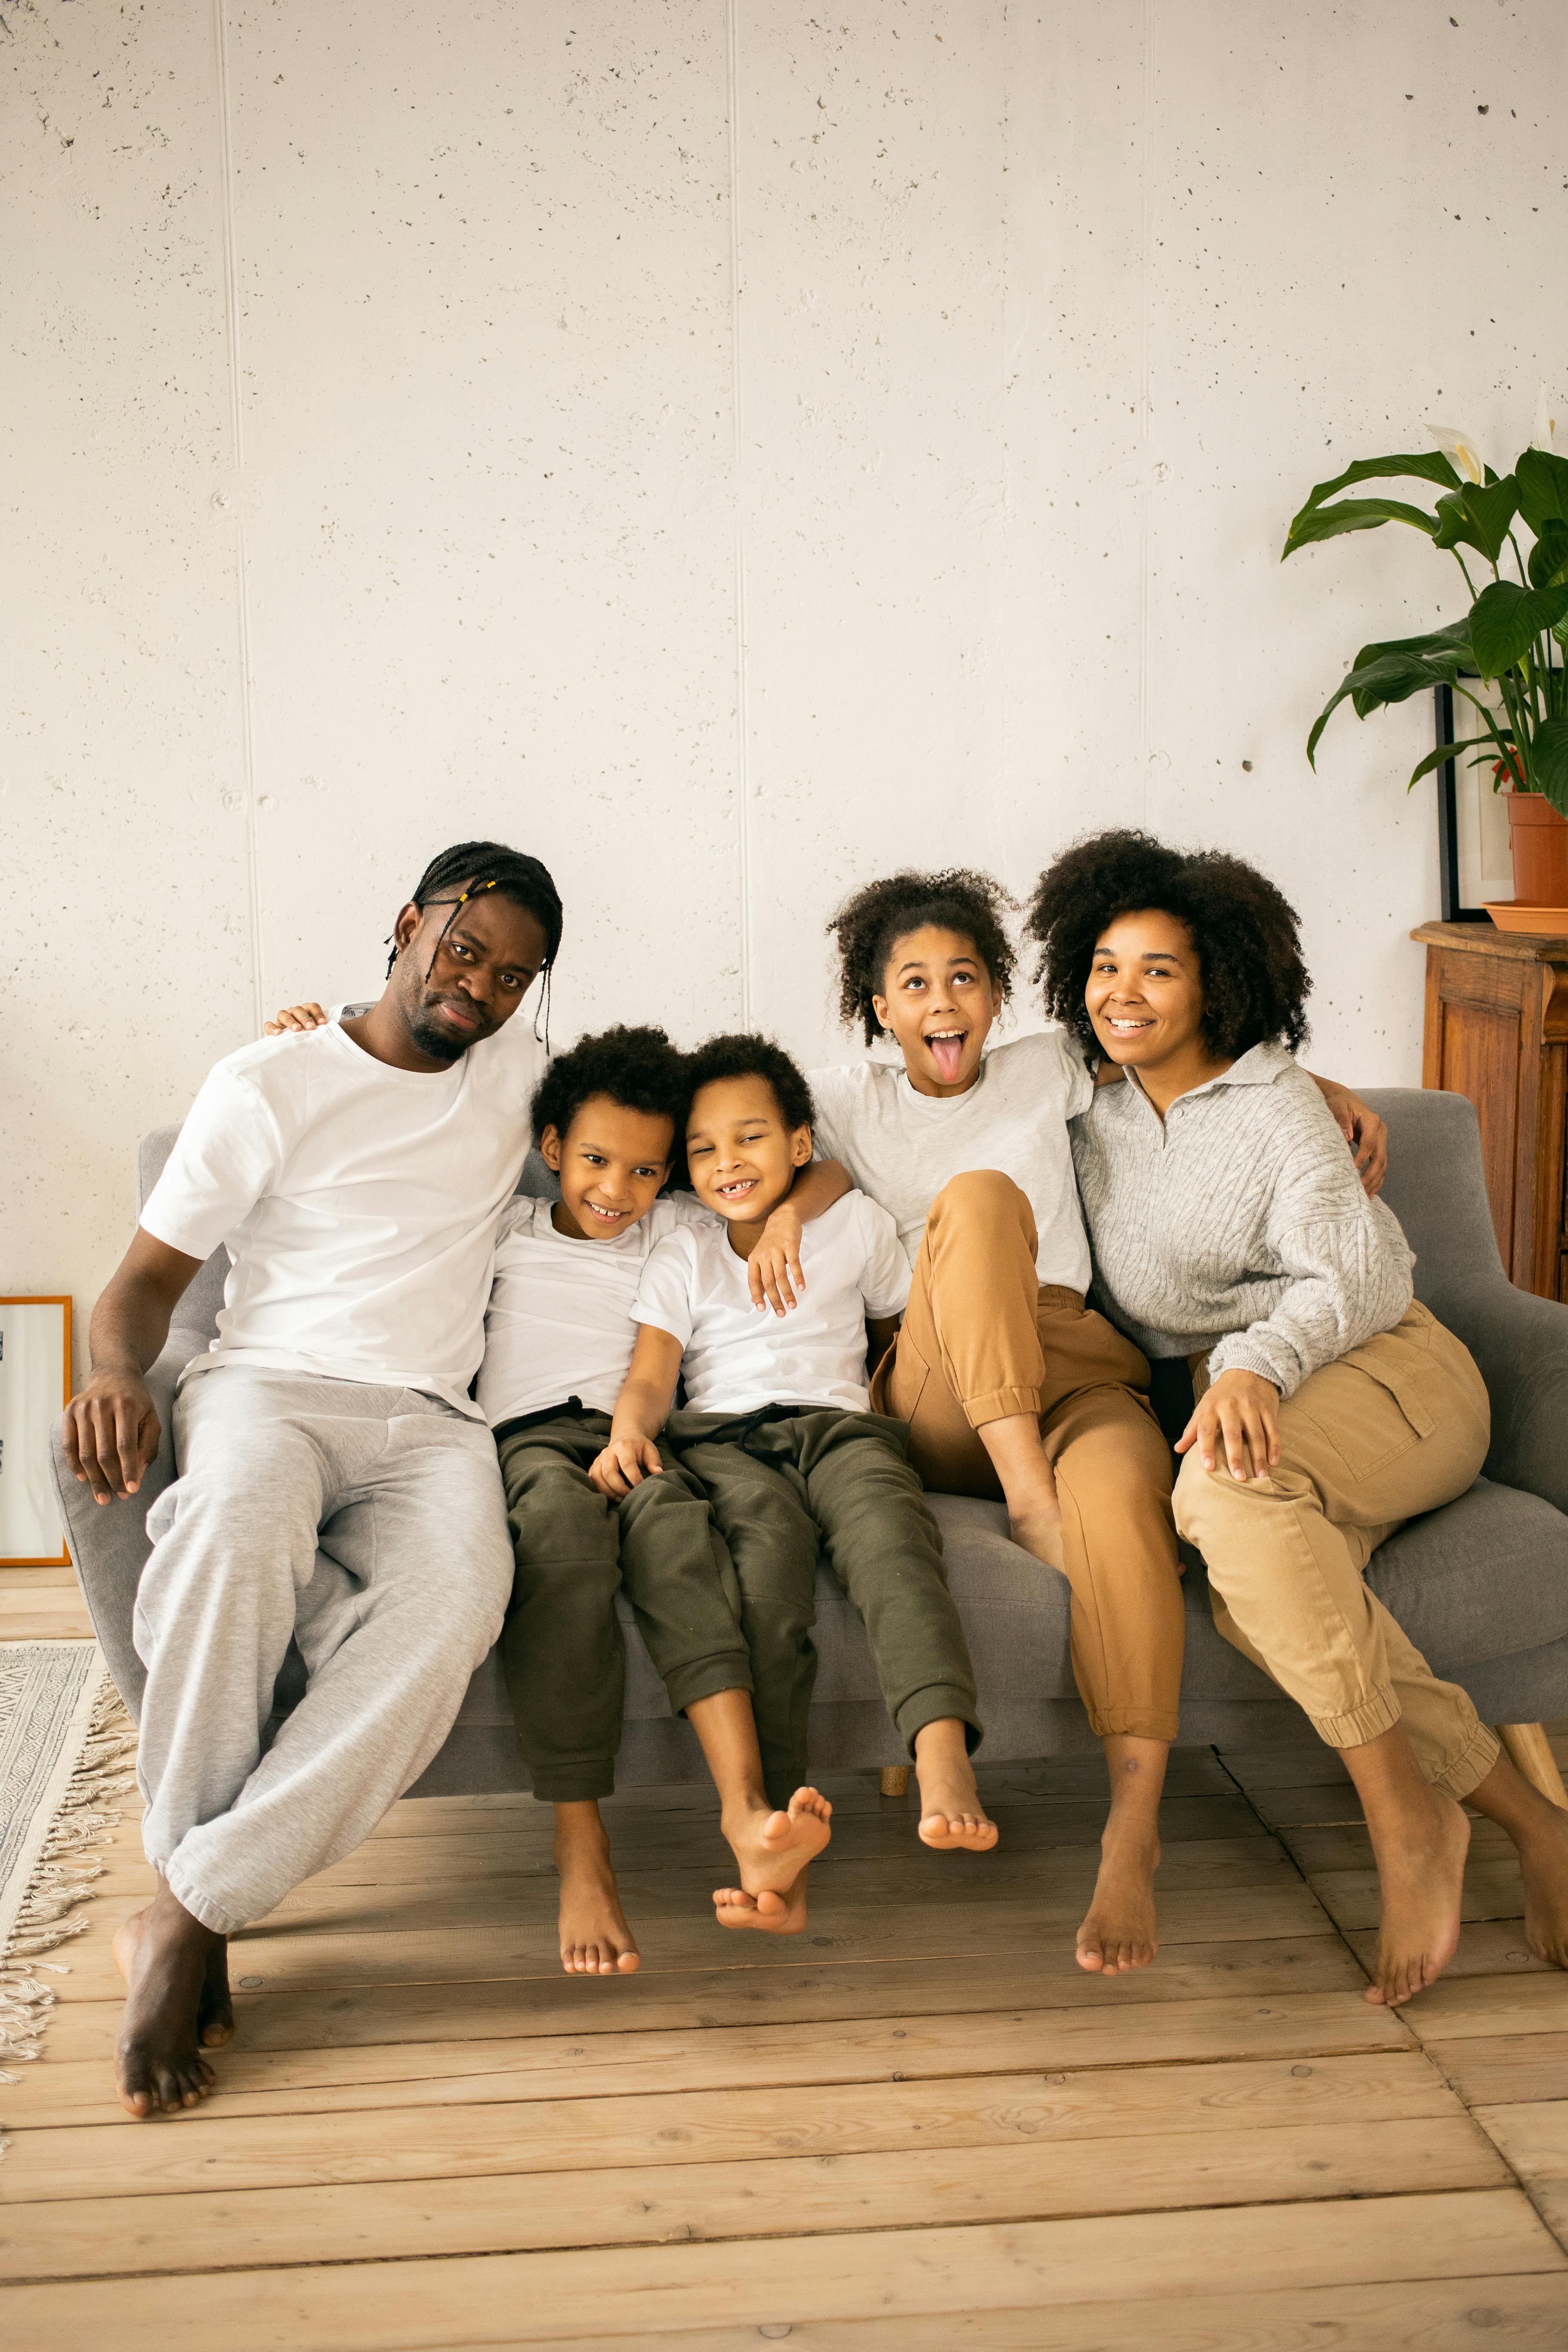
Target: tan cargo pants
{"points": [[1398, 1426], [982, 1340]]}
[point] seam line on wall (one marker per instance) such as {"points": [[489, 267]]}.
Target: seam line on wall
{"points": [[1145, 487], [743, 764]]}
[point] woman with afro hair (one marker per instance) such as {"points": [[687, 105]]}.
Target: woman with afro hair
{"points": [[1234, 1245]]}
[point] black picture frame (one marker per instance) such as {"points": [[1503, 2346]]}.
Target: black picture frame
{"points": [[1448, 821]]}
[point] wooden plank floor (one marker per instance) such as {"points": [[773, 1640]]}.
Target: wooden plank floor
{"points": [[920, 2125]]}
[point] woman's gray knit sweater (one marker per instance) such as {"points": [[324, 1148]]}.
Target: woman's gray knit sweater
{"points": [[1241, 1220]]}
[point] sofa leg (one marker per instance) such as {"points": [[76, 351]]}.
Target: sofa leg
{"points": [[1530, 1750], [893, 1781]]}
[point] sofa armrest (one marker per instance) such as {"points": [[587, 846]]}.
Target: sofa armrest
{"points": [[108, 1541], [1520, 1344]]}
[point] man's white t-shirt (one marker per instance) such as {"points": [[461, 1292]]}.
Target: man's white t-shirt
{"points": [[358, 1204], [738, 1356], [902, 1146], [560, 1319]]}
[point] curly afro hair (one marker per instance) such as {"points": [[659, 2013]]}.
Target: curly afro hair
{"points": [[867, 925], [637, 1068], [1247, 934], [742, 1056]]}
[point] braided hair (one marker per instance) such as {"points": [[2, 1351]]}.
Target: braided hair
{"points": [[467, 870], [867, 925]]}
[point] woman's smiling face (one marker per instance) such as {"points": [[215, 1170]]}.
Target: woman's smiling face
{"points": [[940, 1001], [1144, 993]]}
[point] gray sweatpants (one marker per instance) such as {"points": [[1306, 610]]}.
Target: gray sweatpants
{"points": [[369, 1524]]}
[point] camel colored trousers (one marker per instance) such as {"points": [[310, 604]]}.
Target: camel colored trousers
{"points": [[1397, 1426], [982, 1340]]}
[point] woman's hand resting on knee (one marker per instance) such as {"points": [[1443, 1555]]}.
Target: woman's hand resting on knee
{"points": [[1243, 1409]]}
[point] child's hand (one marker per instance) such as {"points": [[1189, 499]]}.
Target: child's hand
{"points": [[624, 1462], [296, 1016], [775, 1265]]}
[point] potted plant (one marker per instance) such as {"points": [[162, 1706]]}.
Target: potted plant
{"points": [[1507, 635]]}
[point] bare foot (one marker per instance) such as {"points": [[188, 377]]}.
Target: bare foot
{"points": [[952, 1818], [1039, 1530], [1118, 1931], [1421, 1867], [772, 1848], [163, 1955], [214, 2008], [595, 1940], [1542, 1843], [775, 1914]]}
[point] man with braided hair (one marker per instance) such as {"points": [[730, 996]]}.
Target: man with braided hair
{"points": [[336, 1484]]}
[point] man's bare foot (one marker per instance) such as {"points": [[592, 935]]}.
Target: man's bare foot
{"points": [[771, 1851], [952, 1818], [214, 2008], [1420, 1858], [163, 1955], [777, 1915], [1119, 1932], [595, 1940]]}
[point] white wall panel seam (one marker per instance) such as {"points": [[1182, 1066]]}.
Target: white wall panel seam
{"points": [[742, 762]]}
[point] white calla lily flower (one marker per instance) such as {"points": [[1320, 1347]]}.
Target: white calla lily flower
{"points": [[1460, 450], [1544, 434]]}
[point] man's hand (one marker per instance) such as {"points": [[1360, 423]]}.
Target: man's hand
{"points": [[772, 1270], [296, 1016], [624, 1462], [111, 1432], [1243, 1409], [1362, 1131]]}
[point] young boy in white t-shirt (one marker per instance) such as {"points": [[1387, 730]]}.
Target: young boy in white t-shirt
{"points": [[777, 1429], [558, 1343]]}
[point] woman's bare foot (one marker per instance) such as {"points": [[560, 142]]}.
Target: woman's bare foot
{"points": [[775, 1914], [1038, 1530], [162, 1954], [595, 1940], [1119, 1931], [952, 1818], [1539, 1831], [1421, 1869], [214, 2008], [1028, 1482]]}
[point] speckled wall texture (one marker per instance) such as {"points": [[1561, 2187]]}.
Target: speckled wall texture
{"points": [[725, 450]]}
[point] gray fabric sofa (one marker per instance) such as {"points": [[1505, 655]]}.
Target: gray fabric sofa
{"points": [[1481, 1586]]}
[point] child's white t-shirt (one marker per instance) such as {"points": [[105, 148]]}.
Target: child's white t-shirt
{"points": [[902, 1146], [560, 1323], [358, 1203], [738, 1356]]}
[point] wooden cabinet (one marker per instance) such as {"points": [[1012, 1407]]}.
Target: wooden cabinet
{"points": [[1496, 1030]]}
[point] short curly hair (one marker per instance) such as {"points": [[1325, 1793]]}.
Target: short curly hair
{"points": [[867, 925], [741, 1055], [637, 1068], [1247, 934]]}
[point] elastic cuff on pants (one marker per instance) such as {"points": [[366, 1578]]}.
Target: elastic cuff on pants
{"points": [[1472, 1764], [580, 1785], [1369, 1721], [1119, 1722], [934, 1705], [685, 1687], [1000, 1405], [202, 1906]]}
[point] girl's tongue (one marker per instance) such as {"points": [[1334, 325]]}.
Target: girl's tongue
{"points": [[947, 1052]]}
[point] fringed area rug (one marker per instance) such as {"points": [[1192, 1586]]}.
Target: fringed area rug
{"points": [[67, 1746]]}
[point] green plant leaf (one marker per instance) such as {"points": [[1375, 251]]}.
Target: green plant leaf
{"points": [[1476, 517], [1421, 465], [1549, 556], [1506, 619], [1447, 751], [1392, 672], [1543, 488], [1551, 762], [1351, 514]]}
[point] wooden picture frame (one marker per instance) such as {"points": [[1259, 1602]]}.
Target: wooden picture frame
{"points": [[35, 1385]]}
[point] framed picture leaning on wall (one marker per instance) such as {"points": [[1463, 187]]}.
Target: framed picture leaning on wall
{"points": [[35, 1386], [1475, 862]]}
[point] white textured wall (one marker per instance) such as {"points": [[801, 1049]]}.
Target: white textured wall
{"points": [[724, 451]]}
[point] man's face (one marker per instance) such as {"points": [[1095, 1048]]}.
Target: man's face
{"points": [[481, 971]]}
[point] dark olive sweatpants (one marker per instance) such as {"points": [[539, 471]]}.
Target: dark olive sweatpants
{"points": [[787, 1483], [561, 1645]]}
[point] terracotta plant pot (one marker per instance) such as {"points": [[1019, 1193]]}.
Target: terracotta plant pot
{"points": [[1538, 839]]}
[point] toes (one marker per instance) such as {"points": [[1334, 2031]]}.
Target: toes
{"points": [[628, 1962]]}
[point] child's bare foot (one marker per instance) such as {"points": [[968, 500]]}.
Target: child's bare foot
{"points": [[1420, 1858], [1119, 1932], [777, 1915], [162, 1954], [772, 1849], [595, 1940], [952, 1818]]}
